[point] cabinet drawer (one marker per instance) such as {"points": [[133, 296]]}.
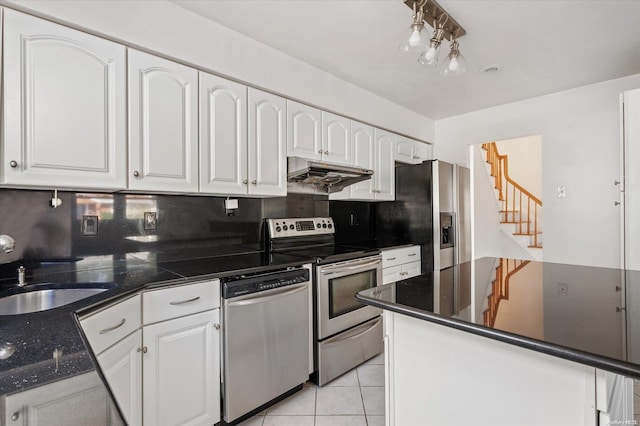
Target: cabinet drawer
{"points": [[391, 274], [174, 302], [400, 255], [106, 327], [409, 270]]}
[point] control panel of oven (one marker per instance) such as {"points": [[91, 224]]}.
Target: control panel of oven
{"points": [[298, 227]]}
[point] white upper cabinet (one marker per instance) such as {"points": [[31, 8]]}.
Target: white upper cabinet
{"points": [[372, 149], [363, 154], [64, 109], [411, 151], [336, 139], [304, 131], [267, 160], [223, 136], [384, 171], [163, 124]]}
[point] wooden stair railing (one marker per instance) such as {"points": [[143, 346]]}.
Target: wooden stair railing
{"points": [[515, 198], [500, 287]]}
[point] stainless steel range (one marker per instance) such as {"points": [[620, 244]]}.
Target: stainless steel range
{"points": [[347, 333]]}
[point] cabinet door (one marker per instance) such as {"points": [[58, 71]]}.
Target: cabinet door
{"points": [[411, 269], [79, 400], [384, 170], [422, 152], [303, 131], [223, 136], [267, 156], [336, 139], [121, 365], [181, 371], [363, 149], [163, 124], [64, 107], [404, 150]]}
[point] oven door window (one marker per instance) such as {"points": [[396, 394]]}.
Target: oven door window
{"points": [[343, 289]]}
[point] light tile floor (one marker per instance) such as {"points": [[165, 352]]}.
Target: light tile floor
{"points": [[354, 399]]}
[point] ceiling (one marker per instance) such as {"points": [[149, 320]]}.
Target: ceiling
{"points": [[539, 46]]}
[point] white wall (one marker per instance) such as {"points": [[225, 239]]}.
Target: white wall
{"points": [[163, 27], [580, 130]]}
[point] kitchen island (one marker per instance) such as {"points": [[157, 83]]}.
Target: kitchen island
{"points": [[499, 341], [47, 370]]}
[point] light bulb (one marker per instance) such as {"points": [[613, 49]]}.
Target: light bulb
{"points": [[453, 64], [430, 54], [414, 40]]}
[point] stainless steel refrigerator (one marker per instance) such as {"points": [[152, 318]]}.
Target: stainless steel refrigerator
{"points": [[432, 208]]}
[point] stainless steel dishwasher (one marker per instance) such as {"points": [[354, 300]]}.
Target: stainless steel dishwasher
{"points": [[266, 338]]}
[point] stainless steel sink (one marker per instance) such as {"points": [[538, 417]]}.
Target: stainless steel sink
{"points": [[43, 299]]}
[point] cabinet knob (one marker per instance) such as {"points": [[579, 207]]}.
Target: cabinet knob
{"points": [[15, 416], [616, 203], [143, 349], [13, 164], [326, 152], [246, 182], [136, 173], [254, 182], [616, 182], [216, 326], [320, 152]]}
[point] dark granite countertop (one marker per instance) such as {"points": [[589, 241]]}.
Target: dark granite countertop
{"points": [[37, 335], [584, 314]]}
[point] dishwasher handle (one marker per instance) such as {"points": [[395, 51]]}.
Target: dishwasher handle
{"points": [[287, 291]]}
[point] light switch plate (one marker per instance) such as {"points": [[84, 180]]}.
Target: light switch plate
{"points": [[89, 226]]}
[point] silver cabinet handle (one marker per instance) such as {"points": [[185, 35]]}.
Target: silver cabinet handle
{"points": [[254, 182], [246, 181], [411, 254], [617, 203], [143, 349], [136, 173], [320, 152], [326, 152], [118, 325], [13, 164], [391, 258], [216, 326], [182, 302]]}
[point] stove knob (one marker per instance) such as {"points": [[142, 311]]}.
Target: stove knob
{"points": [[330, 226], [285, 227], [319, 226], [324, 225], [278, 229]]}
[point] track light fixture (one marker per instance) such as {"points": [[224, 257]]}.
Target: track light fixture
{"points": [[418, 39], [445, 27]]}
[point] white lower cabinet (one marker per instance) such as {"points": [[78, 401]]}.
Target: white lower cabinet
{"points": [[121, 364], [167, 370], [400, 263], [181, 371], [78, 400]]}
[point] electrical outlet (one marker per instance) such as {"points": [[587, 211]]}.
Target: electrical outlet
{"points": [[563, 289], [562, 192], [89, 226], [150, 222]]}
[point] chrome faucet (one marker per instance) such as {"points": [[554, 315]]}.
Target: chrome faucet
{"points": [[7, 243]]}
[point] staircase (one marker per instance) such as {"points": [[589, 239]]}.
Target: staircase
{"points": [[519, 209], [500, 287]]}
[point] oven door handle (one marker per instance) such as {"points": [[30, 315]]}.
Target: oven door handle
{"points": [[339, 268], [261, 299]]}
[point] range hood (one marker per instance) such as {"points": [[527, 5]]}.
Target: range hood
{"points": [[325, 177]]}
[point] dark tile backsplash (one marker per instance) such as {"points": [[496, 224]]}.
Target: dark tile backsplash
{"points": [[42, 232]]}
